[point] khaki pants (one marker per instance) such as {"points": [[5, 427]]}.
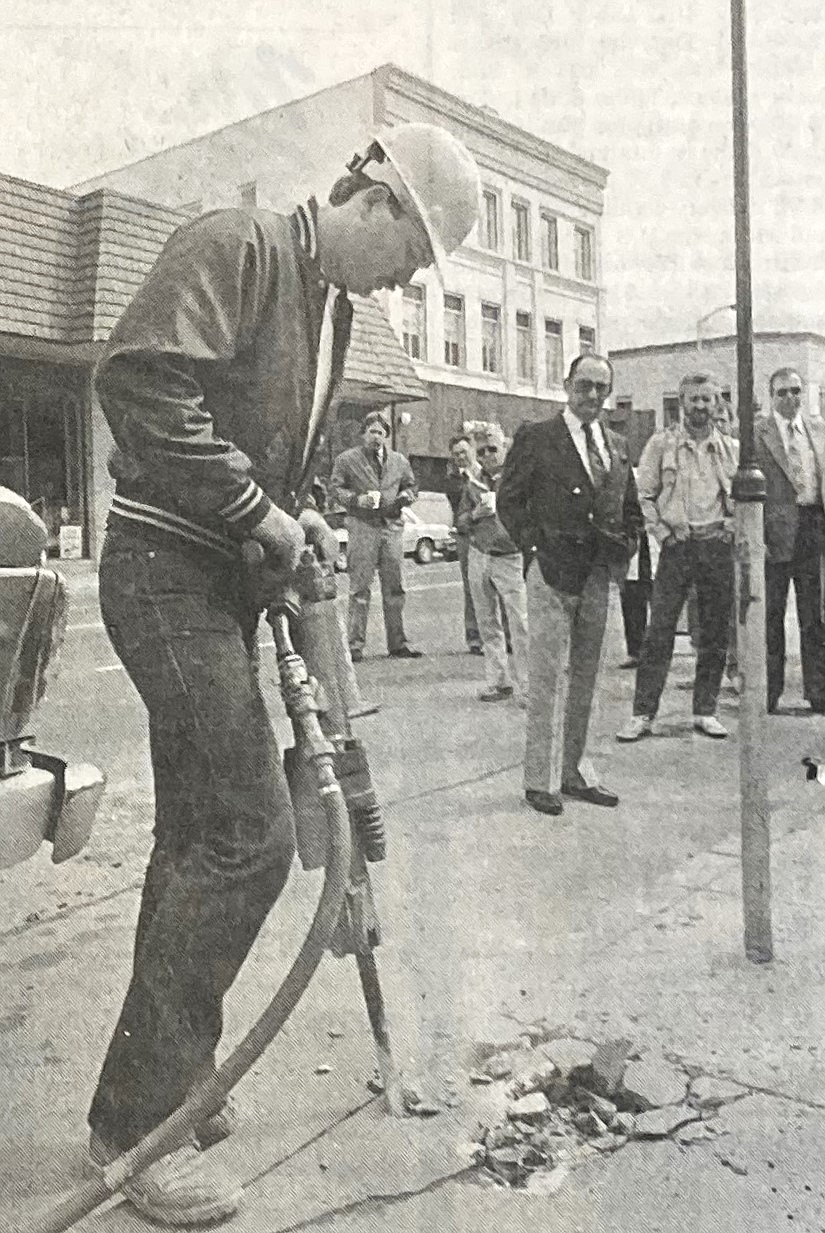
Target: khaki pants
{"points": [[565, 644], [372, 548], [493, 579]]}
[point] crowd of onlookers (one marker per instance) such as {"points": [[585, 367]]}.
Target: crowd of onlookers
{"points": [[546, 521]]}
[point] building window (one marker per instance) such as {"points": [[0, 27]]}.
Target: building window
{"points": [[524, 347], [490, 338], [414, 327], [587, 339], [549, 242], [670, 409], [454, 331], [488, 231], [249, 195], [553, 352], [584, 253], [521, 231]]}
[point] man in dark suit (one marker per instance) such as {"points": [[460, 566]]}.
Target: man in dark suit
{"points": [[568, 499], [790, 451]]}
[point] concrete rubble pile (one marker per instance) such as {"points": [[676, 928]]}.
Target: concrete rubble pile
{"points": [[568, 1100]]}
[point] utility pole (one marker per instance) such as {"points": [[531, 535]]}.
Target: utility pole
{"points": [[749, 495]]}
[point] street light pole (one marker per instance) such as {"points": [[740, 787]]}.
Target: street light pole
{"points": [[701, 321], [749, 495]]}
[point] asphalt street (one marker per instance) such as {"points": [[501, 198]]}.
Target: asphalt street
{"points": [[492, 914]]}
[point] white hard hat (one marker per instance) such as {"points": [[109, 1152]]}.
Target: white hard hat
{"points": [[434, 173]]}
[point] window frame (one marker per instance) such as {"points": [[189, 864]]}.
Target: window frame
{"points": [[559, 334], [588, 348], [488, 193], [521, 209], [497, 370], [460, 316], [547, 216], [586, 271], [415, 293], [525, 332]]}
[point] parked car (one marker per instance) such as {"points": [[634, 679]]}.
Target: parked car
{"points": [[427, 530]]}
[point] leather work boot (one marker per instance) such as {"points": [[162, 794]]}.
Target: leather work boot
{"points": [[181, 1190]]}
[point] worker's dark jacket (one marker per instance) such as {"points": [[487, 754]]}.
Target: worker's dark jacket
{"points": [[207, 380], [552, 510]]}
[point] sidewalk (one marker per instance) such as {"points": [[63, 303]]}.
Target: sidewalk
{"points": [[607, 924]]}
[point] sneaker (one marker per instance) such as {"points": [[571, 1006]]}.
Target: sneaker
{"points": [[179, 1190], [709, 725], [496, 693], [635, 729]]}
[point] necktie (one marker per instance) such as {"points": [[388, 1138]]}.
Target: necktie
{"points": [[597, 467], [795, 456], [379, 462]]}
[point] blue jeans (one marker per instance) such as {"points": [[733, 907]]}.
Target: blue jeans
{"points": [[178, 619]]}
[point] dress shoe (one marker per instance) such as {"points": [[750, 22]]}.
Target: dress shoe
{"points": [[594, 794], [709, 725], [406, 652], [544, 802], [496, 693], [635, 729], [356, 656], [475, 648]]}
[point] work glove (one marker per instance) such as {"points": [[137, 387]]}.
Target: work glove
{"points": [[320, 535]]}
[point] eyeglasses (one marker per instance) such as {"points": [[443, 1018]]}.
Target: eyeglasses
{"points": [[487, 449], [785, 391]]}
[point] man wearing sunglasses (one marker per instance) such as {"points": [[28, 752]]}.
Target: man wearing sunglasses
{"points": [[568, 499], [790, 452]]}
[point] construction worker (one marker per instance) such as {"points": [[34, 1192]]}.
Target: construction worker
{"points": [[216, 384]]}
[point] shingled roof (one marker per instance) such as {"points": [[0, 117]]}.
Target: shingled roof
{"points": [[377, 368]]}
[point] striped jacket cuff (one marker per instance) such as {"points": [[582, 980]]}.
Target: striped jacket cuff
{"points": [[248, 509]]}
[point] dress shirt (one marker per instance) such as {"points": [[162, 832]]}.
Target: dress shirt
{"points": [[809, 492], [576, 430], [704, 499]]}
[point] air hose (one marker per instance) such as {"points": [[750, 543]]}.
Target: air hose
{"points": [[207, 1097]]}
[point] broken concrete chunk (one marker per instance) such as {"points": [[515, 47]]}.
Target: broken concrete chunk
{"points": [[589, 1124], [569, 1054], [623, 1124], [323, 1068], [546, 1183], [529, 1108], [600, 1105], [499, 1066], [708, 1093], [659, 1123], [696, 1132], [652, 1083], [537, 1080], [609, 1065]]}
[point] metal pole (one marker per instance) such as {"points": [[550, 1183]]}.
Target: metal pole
{"points": [[749, 495]]}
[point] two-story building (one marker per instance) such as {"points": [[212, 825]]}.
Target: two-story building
{"points": [[522, 296]]}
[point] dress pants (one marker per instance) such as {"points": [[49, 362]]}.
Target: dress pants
{"points": [[497, 582], [471, 634], [804, 570], [565, 635], [224, 831], [370, 548], [706, 564], [635, 600]]}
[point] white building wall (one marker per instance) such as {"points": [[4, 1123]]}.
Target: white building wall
{"points": [[647, 375]]}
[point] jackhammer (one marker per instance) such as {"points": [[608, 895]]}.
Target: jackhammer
{"points": [[338, 827]]}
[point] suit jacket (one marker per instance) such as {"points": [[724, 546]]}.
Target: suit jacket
{"points": [[354, 473], [781, 509], [551, 508]]}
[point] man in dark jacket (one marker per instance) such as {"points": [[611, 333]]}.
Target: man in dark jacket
{"points": [[462, 466], [216, 384], [790, 452], [568, 498], [374, 484]]}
